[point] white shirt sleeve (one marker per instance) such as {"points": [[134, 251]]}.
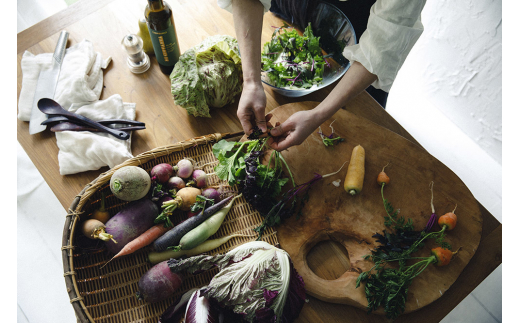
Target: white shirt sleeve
{"points": [[228, 5], [392, 30]]}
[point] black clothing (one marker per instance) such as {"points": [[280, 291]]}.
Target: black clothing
{"points": [[299, 13]]}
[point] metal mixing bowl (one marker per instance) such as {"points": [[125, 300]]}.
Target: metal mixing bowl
{"points": [[335, 32]]}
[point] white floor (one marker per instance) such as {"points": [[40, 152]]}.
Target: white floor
{"points": [[39, 264]]}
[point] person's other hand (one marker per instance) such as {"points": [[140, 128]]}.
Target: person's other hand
{"points": [[293, 131], [251, 108]]}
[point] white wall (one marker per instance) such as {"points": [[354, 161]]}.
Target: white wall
{"points": [[448, 94]]}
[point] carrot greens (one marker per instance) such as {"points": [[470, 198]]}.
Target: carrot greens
{"points": [[385, 285]]}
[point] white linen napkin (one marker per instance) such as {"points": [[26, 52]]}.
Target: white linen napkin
{"points": [[84, 150], [78, 90], [80, 80]]}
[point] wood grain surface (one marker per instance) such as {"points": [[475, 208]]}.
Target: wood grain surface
{"points": [[105, 23], [333, 214]]}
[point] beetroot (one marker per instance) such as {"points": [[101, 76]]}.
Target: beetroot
{"points": [[158, 283]]}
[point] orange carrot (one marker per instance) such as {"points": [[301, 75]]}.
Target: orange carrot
{"points": [[382, 178], [449, 220], [141, 241], [442, 256]]}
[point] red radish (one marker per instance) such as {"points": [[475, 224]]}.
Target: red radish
{"points": [[199, 178], [184, 168], [158, 283], [211, 193], [161, 172]]}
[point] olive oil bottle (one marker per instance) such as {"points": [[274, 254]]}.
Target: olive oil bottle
{"points": [[159, 18]]}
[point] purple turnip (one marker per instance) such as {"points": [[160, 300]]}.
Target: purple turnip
{"points": [[129, 223], [199, 179], [175, 183], [211, 193], [184, 168], [161, 172]]}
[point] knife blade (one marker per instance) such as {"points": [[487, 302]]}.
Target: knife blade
{"points": [[46, 86]]}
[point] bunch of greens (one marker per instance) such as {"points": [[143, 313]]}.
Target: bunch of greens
{"points": [[207, 75], [385, 285], [255, 280], [291, 60], [261, 185]]}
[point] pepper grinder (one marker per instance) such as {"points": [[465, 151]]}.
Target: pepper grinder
{"points": [[137, 60]]}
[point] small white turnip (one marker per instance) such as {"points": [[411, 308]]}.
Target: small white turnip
{"points": [[184, 168]]}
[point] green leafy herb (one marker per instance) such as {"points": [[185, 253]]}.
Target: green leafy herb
{"points": [[201, 202], [388, 287]]}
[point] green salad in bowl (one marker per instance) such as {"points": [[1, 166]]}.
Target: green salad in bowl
{"points": [[293, 61], [296, 62]]}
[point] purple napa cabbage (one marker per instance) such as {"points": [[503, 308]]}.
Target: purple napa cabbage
{"points": [[256, 280]]}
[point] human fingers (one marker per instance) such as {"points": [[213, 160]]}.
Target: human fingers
{"points": [[260, 118], [281, 129]]}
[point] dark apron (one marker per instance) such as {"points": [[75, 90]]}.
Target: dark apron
{"points": [[298, 12]]}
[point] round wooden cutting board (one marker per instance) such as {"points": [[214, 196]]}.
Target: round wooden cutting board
{"points": [[332, 214]]}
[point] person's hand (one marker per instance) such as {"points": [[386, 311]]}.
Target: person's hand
{"points": [[251, 108], [293, 131]]}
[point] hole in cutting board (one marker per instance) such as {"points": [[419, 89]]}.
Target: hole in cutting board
{"points": [[328, 259]]}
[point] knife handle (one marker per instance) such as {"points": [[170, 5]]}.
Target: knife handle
{"points": [[59, 52]]}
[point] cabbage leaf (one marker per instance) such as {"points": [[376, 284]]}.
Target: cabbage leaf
{"points": [[208, 75], [256, 280]]}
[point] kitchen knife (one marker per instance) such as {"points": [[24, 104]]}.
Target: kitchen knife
{"points": [[47, 85]]}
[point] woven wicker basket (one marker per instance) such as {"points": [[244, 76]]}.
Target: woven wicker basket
{"points": [[108, 294]]}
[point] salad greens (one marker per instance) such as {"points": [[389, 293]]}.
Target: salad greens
{"points": [[255, 280], [261, 185], [292, 60]]}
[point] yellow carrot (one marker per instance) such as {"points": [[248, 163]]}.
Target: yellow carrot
{"points": [[356, 171]]}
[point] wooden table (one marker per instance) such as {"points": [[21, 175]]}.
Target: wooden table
{"points": [[104, 23]]}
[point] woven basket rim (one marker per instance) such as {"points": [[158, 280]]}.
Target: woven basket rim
{"points": [[83, 197]]}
